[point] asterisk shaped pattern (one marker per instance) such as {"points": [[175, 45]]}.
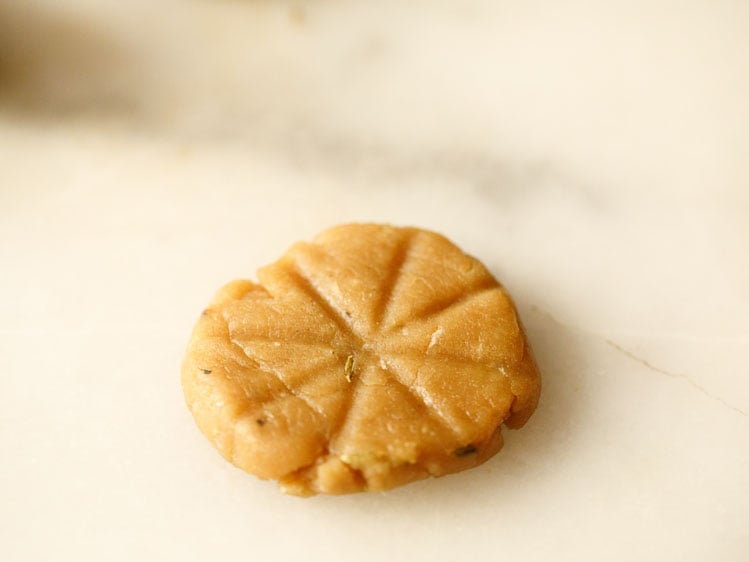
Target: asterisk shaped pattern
{"points": [[371, 357]]}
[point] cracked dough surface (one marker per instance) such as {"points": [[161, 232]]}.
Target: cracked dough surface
{"points": [[371, 357]]}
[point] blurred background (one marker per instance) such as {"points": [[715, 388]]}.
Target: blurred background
{"points": [[594, 154]]}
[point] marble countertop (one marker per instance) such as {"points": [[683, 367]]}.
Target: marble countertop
{"points": [[593, 155]]}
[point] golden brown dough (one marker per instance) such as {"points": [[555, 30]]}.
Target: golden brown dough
{"points": [[369, 358]]}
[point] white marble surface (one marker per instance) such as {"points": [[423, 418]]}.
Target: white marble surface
{"points": [[593, 154]]}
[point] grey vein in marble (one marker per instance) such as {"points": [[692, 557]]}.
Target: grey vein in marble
{"points": [[648, 365]]}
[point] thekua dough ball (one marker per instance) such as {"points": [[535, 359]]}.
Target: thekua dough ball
{"points": [[369, 358]]}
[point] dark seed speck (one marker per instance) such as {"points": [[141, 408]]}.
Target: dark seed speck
{"points": [[465, 451]]}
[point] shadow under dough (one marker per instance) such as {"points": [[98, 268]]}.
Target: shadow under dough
{"points": [[561, 359], [53, 65]]}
